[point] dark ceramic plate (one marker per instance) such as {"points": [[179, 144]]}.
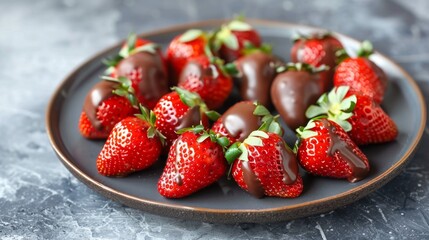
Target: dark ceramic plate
{"points": [[224, 201]]}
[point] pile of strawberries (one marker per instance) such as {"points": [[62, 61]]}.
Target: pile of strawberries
{"points": [[148, 105]]}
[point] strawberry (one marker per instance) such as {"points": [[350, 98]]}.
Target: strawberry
{"points": [[233, 38], [206, 76], [243, 118], [294, 89], [181, 109], [107, 103], [142, 62], [255, 71], [361, 74], [195, 161], [133, 145], [359, 115], [325, 149], [318, 49], [188, 45], [265, 166]]}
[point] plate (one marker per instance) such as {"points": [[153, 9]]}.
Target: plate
{"points": [[224, 201]]}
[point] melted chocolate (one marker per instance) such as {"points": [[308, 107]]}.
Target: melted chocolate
{"points": [[290, 164], [292, 92], [178, 178], [239, 120], [257, 73], [194, 68], [100, 92], [191, 118], [359, 169], [254, 186], [154, 79]]}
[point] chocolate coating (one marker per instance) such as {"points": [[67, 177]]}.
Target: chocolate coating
{"points": [[194, 68], [290, 164], [257, 73], [191, 118], [254, 186], [154, 79], [359, 169], [292, 92], [239, 120], [98, 93]]}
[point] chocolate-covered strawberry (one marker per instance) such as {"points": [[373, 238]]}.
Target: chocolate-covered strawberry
{"points": [[243, 118], [233, 38], [264, 165], [361, 74], [318, 49], [359, 115], [183, 47], [325, 149], [141, 61], [294, 89], [108, 102], [206, 76], [255, 72], [181, 109]]}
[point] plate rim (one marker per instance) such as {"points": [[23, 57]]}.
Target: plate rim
{"points": [[231, 215]]}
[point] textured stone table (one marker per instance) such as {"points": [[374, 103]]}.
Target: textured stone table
{"points": [[42, 41]]}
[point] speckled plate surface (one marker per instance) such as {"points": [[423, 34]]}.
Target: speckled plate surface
{"points": [[224, 201]]}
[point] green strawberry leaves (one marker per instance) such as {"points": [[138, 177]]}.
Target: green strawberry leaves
{"points": [[191, 35], [335, 106], [123, 89], [366, 49], [150, 117], [127, 50], [306, 132], [269, 122], [206, 134], [192, 99]]}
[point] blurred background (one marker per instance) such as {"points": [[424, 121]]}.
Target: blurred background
{"points": [[42, 41]]}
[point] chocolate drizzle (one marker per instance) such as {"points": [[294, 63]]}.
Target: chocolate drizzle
{"points": [[100, 92], [290, 164], [239, 120], [154, 79], [254, 186], [257, 73], [292, 92], [359, 169], [178, 178], [191, 118]]}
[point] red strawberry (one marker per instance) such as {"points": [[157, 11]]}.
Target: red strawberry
{"points": [[294, 89], [362, 75], [316, 50], [359, 115], [190, 44], [107, 103], [133, 145], [233, 37], [142, 62], [205, 76], [195, 161], [325, 149], [265, 166], [243, 118], [180, 109]]}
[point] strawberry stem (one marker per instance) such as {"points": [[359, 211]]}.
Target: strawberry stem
{"points": [[150, 118]]}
